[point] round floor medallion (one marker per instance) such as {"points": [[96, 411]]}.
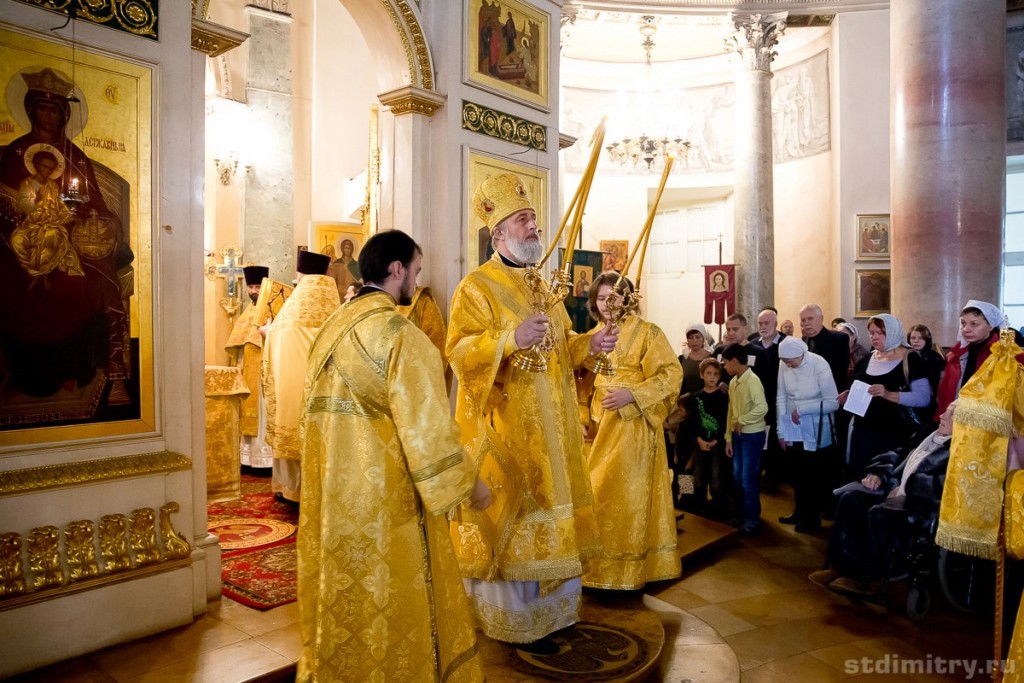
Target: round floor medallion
{"points": [[586, 651], [249, 533]]}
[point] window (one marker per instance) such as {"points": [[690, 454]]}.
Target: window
{"points": [[1013, 247], [665, 249], [685, 239]]}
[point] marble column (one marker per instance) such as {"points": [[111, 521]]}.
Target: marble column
{"points": [[754, 226], [268, 234], [948, 158]]}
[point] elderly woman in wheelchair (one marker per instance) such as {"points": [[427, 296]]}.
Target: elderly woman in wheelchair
{"points": [[879, 518]]}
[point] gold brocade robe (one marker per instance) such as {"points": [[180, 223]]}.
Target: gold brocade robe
{"points": [[522, 430], [380, 596], [425, 314], [245, 346], [628, 466], [285, 358], [989, 410]]}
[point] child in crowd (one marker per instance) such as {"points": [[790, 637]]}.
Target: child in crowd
{"points": [[706, 429], [745, 435]]}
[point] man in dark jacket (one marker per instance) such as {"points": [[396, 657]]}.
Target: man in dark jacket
{"points": [[872, 515], [768, 338], [833, 346], [737, 332]]}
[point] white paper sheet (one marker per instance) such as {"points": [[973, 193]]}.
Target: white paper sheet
{"points": [[797, 433], [858, 399]]}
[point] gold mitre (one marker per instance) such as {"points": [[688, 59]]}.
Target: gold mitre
{"points": [[49, 82], [499, 197]]}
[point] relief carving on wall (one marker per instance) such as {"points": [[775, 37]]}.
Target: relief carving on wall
{"points": [[128, 546], [132, 16], [800, 118]]}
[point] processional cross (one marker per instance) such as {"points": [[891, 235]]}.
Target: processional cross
{"points": [[230, 270]]}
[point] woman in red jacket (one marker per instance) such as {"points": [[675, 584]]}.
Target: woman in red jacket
{"points": [[979, 329]]}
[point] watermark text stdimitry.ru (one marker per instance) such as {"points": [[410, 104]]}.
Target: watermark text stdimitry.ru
{"points": [[895, 664]]}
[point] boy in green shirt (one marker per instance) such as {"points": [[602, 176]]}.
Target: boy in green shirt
{"points": [[744, 435]]}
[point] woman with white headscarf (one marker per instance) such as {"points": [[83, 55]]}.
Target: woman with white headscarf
{"points": [[979, 330], [898, 384], [805, 401]]}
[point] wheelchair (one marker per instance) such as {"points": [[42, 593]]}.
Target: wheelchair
{"points": [[966, 583]]}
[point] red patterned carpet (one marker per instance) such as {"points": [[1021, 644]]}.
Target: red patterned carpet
{"points": [[258, 537]]}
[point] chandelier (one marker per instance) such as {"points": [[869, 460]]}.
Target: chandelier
{"points": [[652, 143]]}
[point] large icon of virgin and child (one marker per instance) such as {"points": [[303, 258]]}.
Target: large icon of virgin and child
{"points": [[65, 267]]}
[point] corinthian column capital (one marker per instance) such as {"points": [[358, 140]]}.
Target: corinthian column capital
{"points": [[754, 38]]}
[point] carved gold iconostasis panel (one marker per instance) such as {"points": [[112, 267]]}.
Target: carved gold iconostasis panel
{"points": [[76, 330]]}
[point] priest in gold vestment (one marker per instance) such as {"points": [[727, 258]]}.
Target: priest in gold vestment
{"points": [[522, 559], [627, 462], [380, 596], [245, 345], [285, 359]]}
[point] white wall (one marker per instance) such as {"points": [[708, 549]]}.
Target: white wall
{"points": [[805, 255], [344, 85], [860, 134]]}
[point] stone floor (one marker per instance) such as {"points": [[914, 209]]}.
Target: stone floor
{"points": [[744, 610]]}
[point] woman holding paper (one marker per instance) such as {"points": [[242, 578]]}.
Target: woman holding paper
{"points": [[805, 402], [895, 383]]}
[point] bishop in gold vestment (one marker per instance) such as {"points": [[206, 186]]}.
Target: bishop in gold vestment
{"points": [[245, 345], [380, 597], [285, 359], [522, 558], [627, 462]]}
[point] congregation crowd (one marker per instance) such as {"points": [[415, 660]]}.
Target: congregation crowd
{"points": [[862, 434]]}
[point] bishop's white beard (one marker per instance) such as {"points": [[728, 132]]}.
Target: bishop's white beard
{"points": [[525, 251]]}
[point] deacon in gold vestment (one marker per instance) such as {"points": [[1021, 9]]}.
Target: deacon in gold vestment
{"points": [[522, 558], [380, 597], [425, 314], [285, 360], [245, 345], [627, 463]]}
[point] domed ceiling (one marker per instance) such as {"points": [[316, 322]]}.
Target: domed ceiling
{"points": [[609, 30]]}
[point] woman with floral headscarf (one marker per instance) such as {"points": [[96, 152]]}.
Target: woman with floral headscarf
{"points": [[979, 330], [897, 384]]}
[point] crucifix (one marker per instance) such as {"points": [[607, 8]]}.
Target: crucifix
{"points": [[230, 270]]}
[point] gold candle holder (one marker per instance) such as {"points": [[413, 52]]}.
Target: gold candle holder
{"points": [[619, 305], [543, 297]]}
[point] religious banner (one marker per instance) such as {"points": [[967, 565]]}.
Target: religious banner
{"points": [[719, 293], [76, 330]]}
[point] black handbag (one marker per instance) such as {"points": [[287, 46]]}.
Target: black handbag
{"points": [[911, 418]]}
